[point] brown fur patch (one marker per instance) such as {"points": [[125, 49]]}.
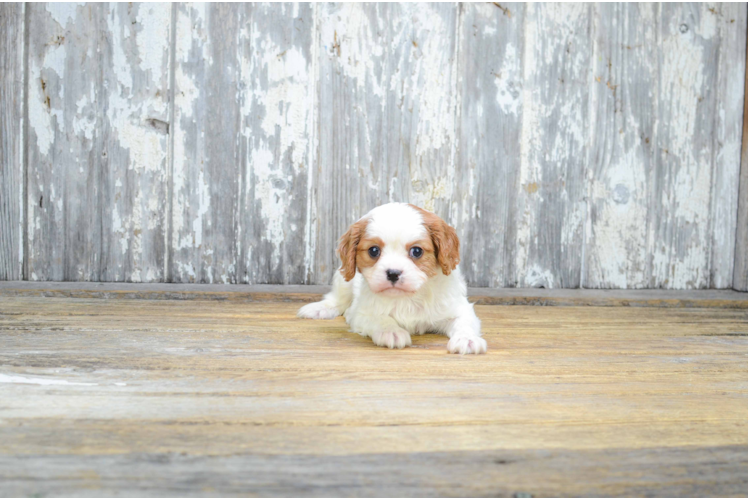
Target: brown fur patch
{"points": [[428, 262], [348, 248], [363, 259], [444, 237]]}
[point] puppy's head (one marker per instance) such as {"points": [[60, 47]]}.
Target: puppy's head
{"points": [[397, 247]]}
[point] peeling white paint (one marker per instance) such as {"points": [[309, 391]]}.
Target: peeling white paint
{"points": [[190, 21], [402, 59], [508, 82], [621, 224], [682, 263], [425, 195], [62, 12], [284, 100], [349, 37], [203, 192], [154, 20], [41, 104], [537, 277], [431, 74], [273, 199], [121, 66]]}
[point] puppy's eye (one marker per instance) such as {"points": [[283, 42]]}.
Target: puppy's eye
{"points": [[373, 252], [416, 252]]}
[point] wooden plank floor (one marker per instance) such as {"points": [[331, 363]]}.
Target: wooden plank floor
{"points": [[213, 398]]}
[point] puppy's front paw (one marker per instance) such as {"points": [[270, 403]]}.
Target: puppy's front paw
{"points": [[394, 339], [318, 310], [467, 345]]}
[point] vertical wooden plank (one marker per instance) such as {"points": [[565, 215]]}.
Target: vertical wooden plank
{"points": [[207, 168], [740, 272], [242, 145], [730, 92], [352, 122], [98, 80], [64, 225], [623, 117], [680, 233], [555, 127], [11, 133], [387, 107], [641, 203], [277, 109], [488, 162], [135, 141]]}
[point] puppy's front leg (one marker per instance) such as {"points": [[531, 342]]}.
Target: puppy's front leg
{"points": [[333, 304], [464, 333], [383, 330]]}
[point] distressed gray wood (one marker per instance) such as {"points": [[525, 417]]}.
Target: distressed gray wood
{"points": [[684, 166], [277, 140], [729, 95], [242, 139], [11, 135], [740, 273], [207, 170], [653, 220], [622, 157], [386, 125], [570, 145], [555, 126], [490, 125], [98, 99]]}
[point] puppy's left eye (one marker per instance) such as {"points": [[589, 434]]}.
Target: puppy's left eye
{"points": [[416, 252]]}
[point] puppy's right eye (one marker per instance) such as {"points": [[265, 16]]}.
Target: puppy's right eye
{"points": [[373, 252]]}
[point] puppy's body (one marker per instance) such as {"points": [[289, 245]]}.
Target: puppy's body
{"points": [[412, 286]]}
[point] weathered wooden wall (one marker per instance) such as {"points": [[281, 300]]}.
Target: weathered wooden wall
{"points": [[593, 145]]}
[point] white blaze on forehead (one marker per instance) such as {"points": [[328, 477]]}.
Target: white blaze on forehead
{"points": [[395, 223]]}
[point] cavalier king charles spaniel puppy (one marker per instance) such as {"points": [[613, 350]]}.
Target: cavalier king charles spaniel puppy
{"points": [[400, 278]]}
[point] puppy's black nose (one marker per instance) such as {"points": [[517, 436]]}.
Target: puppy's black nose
{"points": [[393, 275]]}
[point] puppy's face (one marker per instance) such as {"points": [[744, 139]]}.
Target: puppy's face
{"points": [[397, 248]]}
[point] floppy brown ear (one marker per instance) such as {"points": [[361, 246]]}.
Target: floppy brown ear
{"points": [[348, 246], [447, 245], [445, 240]]}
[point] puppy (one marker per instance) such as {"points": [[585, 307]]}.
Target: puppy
{"points": [[400, 278]]}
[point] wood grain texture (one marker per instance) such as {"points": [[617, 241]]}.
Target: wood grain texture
{"points": [[487, 178], [215, 397], [555, 126], [660, 472], [386, 125], [731, 20], [11, 140], [684, 166], [570, 145], [740, 273], [653, 221], [207, 171], [243, 121], [618, 245], [98, 98]]}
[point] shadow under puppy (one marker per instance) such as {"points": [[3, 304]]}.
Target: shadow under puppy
{"points": [[400, 278]]}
